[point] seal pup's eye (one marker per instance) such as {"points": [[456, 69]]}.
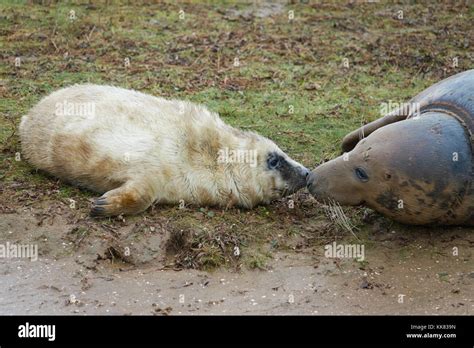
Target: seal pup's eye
{"points": [[273, 161], [361, 174]]}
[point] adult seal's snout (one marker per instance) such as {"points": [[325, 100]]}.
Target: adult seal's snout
{"points": [[310, 180]]}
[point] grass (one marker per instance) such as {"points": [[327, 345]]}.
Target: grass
{"points": [[290, 85]]}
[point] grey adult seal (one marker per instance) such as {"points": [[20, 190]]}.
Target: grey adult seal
{"points": [[414, 165]]}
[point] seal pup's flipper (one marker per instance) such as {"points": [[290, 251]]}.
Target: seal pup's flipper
{"points": [[131, 198]]}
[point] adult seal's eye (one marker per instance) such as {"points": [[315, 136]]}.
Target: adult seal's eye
{"points": [[273, 162], [361, 174]]}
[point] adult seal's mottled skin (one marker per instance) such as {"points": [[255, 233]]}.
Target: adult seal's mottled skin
{"points": [[415, 165]]}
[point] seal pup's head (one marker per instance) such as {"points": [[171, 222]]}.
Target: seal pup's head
{"points": [[259, 171], [413, 171]]}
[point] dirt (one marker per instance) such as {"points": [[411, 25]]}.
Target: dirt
{"points": [[421, 280], [260, 10]]}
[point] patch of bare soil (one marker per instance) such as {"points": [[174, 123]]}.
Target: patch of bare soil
{"points": [[259, 9], [404, 272]]}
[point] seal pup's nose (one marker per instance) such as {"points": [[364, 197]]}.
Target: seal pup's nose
{"points": [[305, 172]]}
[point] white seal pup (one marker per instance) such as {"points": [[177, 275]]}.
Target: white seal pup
{"points": [[137, 149]]}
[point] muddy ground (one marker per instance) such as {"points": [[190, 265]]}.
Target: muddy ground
{"points": [[80, 272]]}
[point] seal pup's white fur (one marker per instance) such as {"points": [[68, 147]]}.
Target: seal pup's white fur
{"points": [[136, 149]]}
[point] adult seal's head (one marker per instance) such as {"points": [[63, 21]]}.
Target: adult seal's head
{"points": [[415, 168]]}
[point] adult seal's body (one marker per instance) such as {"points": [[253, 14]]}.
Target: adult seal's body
{"points": [[137, 149], [415, 164]]}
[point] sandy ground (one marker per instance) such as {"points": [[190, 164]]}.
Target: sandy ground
{"points": [[300, 282]]}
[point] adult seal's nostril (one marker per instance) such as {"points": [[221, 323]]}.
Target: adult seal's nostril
{"points": [[310, 179]]}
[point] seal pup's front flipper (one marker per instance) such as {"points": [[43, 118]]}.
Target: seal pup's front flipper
{"points": [[131, 198]]}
